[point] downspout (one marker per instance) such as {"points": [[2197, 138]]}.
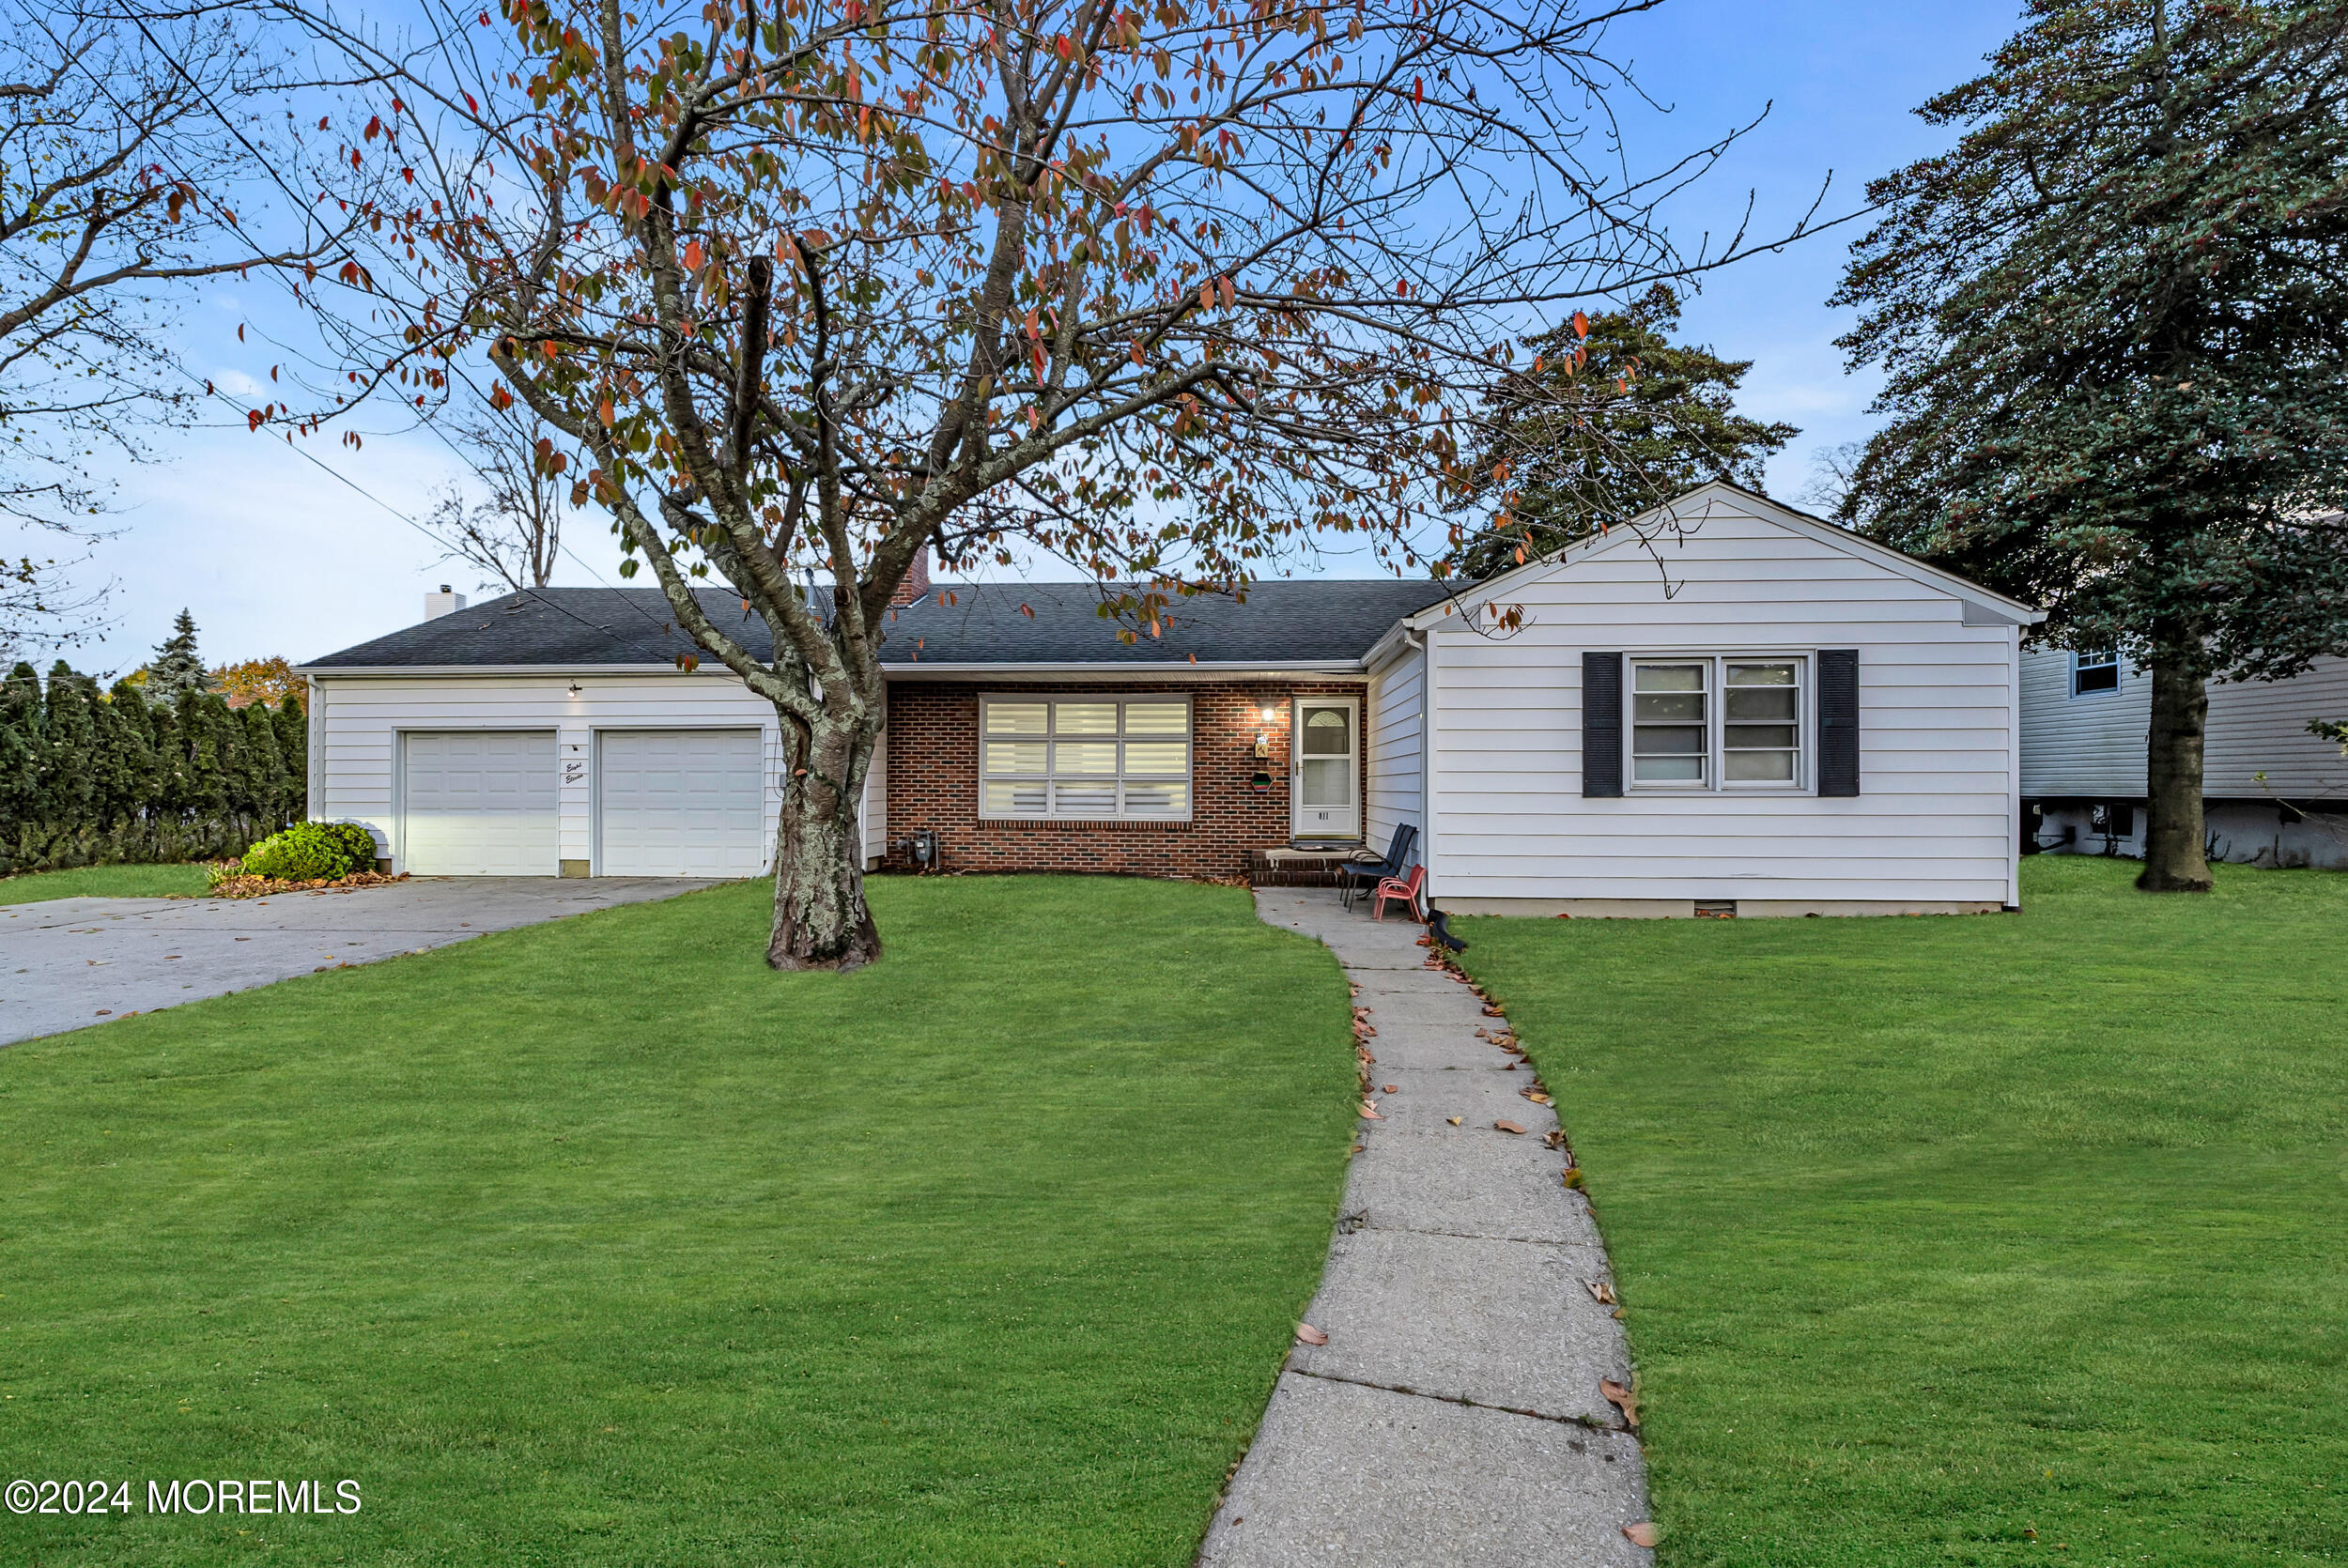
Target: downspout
{"points": [[1426, 646]]}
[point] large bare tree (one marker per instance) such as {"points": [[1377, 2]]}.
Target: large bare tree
{"points": [[140, 147], [511, 529], [1169, 292]]}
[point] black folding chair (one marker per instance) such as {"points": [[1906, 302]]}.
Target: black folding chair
{"points": [[1362, 875]]}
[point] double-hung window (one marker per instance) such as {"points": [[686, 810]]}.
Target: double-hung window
{"points": [[1084, 758], [2097, 670], [1714, 723]]}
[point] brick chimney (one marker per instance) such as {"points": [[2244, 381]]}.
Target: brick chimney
{"points": [[917, 579]]}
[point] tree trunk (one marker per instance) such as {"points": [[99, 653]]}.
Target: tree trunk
{"points": [[821, 919], [2175, 860]]}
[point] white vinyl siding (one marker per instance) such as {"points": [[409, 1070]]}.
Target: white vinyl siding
{"points": [[1084, 758], [2091, 746], [1934, 818], [873, 817], [478, 803], [1393, 725], [680, 803]]}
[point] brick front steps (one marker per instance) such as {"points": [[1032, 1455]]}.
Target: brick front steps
{"points": [[1286, 868]]}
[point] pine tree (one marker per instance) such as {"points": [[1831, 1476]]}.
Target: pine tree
{"points": [[260, 769], [67, 791], [176, 667], [293, 745], [116, 779], [20, 774], [1604, 426], [2116, 332]]}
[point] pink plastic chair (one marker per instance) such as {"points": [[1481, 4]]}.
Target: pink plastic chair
{"points": [[1396, 888]]}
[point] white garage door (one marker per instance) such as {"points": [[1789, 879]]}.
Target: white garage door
{"points": [[682, 803], [478, 803]]}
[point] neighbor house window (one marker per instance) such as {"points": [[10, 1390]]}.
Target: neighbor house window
{"points": [[1716, 723], [2098, 671], [1084, 758]]}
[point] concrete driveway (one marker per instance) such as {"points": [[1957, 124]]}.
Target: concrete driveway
{"points": [[69, 963]]}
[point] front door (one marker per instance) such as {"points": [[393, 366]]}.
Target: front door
{"points": [[1325, 785]]}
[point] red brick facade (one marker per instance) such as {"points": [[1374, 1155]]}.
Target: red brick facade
{"points": [[933, 782]]}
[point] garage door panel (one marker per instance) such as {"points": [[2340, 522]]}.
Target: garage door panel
{"points": [[682, 803], [479, 803]]}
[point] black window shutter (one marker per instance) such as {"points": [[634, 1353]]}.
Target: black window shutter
{"points": [[1838, 721], [1601, 725]]}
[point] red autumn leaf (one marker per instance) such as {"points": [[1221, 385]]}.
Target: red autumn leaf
{"points": [[1507, 1126], [1581, 324], [1394, 1088], [693, 255]]}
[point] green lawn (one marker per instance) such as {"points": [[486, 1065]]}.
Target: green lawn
{"points": [[1936, 1232], [102, 882], [599, 1243]]}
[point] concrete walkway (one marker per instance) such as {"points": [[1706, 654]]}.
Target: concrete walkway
{"points": [[69, 963], [1455, 1415]]}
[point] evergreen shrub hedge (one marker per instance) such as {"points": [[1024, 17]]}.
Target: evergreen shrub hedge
{"points": [[90, 777]]}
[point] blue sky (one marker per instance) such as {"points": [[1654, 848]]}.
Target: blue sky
{"points": [[274, 555]]}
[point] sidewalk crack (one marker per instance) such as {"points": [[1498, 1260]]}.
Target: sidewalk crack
{"points": [[1593, 1423]]}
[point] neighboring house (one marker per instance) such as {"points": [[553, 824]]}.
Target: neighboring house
{"points": [[1733, 707], [2274, 795]]}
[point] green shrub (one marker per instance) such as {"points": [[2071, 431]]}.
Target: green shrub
{"points": [[312, 851]]}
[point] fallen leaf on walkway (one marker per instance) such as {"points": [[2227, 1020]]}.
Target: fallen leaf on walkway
{"points": [[1621, 1399], [1619, 1315], [1507, 1126], [1601, 1291], [1394, 1088], [1643, 1534], [1311, 1335], [1555, 1138], [1535, 1095], [1573, 1178], [1369, 1113], [1491, 1011], [1453, 1120], [1481, 1033]]}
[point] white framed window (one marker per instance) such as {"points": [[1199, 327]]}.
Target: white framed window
{"points": [[2097, 670], [1085, 757], [1719, 722]]}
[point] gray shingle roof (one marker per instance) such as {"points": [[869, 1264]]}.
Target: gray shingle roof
{"points": [[1280, 623]]}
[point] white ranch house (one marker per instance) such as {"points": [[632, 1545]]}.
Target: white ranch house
{"points": [[1732, 707]]}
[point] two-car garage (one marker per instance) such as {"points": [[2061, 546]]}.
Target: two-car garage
{"points": [[658, 803]]}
